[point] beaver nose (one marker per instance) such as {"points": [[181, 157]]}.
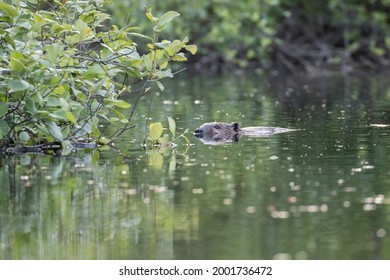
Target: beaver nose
{"points": [[199, 133]]}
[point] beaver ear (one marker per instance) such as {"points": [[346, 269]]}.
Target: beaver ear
{"points": [[235, 126]]}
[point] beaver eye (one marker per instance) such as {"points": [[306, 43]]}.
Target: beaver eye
{"points": [[217, 126]]}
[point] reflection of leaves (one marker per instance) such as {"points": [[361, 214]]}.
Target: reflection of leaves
{"points": [[67, 147], [172, 164], [58, 170], [155, 159], [25, 160]]}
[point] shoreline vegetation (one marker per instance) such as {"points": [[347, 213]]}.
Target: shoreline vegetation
{"points": [[289, 35], [67, 67], [66, 74]]}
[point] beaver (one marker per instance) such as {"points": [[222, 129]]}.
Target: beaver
{"points": [[219, 132]]}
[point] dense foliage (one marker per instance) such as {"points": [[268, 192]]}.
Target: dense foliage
{"points": [[64, 73], [290, 33]]}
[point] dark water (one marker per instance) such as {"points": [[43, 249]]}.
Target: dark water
{"points": [[322, 192]]}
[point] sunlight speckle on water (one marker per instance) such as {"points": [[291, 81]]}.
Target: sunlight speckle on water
{"points": [[346, 204], [251, 209], [282, 256], [280, 214], [381, 233], [197, 191]]}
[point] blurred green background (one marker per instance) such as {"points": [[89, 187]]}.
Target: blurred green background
{"points": [[288, 33]]}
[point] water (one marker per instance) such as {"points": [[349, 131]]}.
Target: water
{"points": [[321, 192]]}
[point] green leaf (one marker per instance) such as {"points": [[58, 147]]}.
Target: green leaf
{"points": [[164, 74], [104, 141], [113, 119], [30, 106], [67, 147], [3, 108], [164, 20], [179, 57], [64, 104], [53, 102], [70, 117], [53, 52], [149, 14], [192, 49], [80, 25], [42, 114], [119, 114], [73, 39], [141, 36], [39, 19], [163, 44], [8, 10], [9, 40], [59, 90], [24, 136], [158, 54], [95, 131], [169, 50], [95, 71], [163, 65], [54, 130], [4, 127], [176, 45], [65, 131], [167, 17], [59, 115], [172, 126], [160, 85], [185, 40], [57, 28], [18, 85], [87, 33], [17, 61], [155, 130], [119, 103], [102, 17]]}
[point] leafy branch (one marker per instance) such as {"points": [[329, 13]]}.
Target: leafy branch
{"points": [[64, 73]]}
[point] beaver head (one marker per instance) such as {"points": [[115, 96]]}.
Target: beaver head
{"points": [[218, 132]]}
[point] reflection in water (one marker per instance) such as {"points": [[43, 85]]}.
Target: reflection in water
{"points": [[80, 209], [317, 193]]}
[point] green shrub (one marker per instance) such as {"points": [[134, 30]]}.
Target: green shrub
{"points": [[296, 32], [64, 72]]}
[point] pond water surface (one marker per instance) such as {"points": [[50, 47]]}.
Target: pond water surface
{"points": [[322, 192]]}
